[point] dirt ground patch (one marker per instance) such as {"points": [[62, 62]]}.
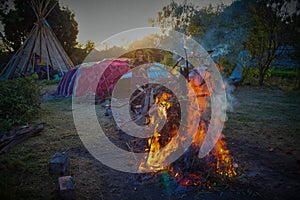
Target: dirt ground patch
{"points": [[262, 134]]}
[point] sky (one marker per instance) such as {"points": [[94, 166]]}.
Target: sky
{"points": [[101, 19]]}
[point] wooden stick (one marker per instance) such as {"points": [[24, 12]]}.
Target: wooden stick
{"points": [[18, 136]]}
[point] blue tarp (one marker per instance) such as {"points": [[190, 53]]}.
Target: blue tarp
{"points": [[243, 61], [156, 71]]}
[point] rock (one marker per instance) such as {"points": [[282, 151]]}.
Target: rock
{"points": [[66, 187], [235, 165], [59, 163], [108, 112]]}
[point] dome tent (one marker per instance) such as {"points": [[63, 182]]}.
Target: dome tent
{"points": [[82, 80]]}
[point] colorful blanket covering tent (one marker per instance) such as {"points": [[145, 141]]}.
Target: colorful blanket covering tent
{"points": [[87, 80], [66, 84]]}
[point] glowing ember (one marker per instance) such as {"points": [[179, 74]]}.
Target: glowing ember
{"points": [[224, 165]]}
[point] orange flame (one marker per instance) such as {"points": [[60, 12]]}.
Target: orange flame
{"points": [[223, 163], [154, 159]]}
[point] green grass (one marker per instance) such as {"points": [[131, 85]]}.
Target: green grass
{"points": [[284, 73], [262, 116]]}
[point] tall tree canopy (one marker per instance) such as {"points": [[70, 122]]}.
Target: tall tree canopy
{"points": [[18, 19]]}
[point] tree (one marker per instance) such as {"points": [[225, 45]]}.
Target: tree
{"points": [[175, 16], [19, 19], [184, 18], [297, 46], [269, 34], [204, 19], [80, 52], [187, 18]]}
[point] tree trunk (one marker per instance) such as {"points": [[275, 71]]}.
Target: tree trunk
{"points": [[261, 78], [297, 85]]}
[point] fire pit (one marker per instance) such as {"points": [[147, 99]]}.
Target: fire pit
{"points": [[188, 169]]}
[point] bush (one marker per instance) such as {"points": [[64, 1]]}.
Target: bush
{"points": [[46, 82], [251, 75], [19, 102], [228, 66]]}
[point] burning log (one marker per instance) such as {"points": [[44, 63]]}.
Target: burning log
{"points": [[183, 169], [188, 169]]}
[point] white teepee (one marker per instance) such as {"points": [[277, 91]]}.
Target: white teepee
{"points": [[41, 52]]}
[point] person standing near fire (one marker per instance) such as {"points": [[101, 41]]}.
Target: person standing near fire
{"points": [[139, 74], [139, 58]]}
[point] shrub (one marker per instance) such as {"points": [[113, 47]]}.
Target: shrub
{"points": [[19, 102], [252, 75], [228, 66], [46, 82]]}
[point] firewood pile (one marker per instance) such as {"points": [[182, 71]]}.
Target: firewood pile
{"points": [[11, 138]]}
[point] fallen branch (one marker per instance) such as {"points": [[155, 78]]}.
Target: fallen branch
{"points": [[12, 138]]}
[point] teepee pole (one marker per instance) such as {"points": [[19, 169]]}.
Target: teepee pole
{"points": [[61, 51], [16, 64], [41, 44], [40, 3], [11, 65], [45, 8], [49, 11], [49, 56], [33, 6], [40, 27], [54, 55], [32, 49]]}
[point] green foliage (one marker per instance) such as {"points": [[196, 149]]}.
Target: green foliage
{"points": [[251, 75], [4, 58], [269, 35], [175, 16], [168, 59], [46, 82], [19, 102], [80, 52], [203, 20], [228, 66], [65, 27], [187, 18], [262, 28]]}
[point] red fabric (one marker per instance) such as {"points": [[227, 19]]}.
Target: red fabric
{"points": [[90, 81]]}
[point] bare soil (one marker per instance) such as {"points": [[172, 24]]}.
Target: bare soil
{"points": [[262, 134]]}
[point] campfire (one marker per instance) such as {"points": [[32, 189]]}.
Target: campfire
{"points": [[189, 169]]}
